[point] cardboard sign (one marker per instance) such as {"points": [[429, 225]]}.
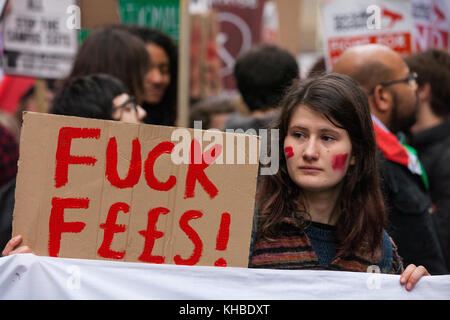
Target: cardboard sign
{"points": [[90, 17], [39, 40], [100, 189], [356, 22], [431, 24]]}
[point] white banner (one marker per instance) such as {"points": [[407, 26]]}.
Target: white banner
{"points": [[26, 276]]}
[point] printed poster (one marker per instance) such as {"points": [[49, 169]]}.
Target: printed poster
{"points": [[39, 38]]}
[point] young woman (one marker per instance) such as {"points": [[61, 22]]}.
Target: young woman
{"points": [[160, 98], [324, 209]]}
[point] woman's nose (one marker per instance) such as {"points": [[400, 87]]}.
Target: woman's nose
{"points": [[311, 151], [154, 76]]}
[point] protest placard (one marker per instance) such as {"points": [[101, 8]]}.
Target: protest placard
{"points": [[240, 28], [90, 17], [205, 64], [163, 15], [39, 39], [431, 24], [357, 22], [98, 189]]}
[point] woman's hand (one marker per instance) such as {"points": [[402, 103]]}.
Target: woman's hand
{"points": [[11, 247], [411, 275]]}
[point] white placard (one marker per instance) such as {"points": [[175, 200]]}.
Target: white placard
{"points": [[355, 22], [431, 24], [40, 38]]}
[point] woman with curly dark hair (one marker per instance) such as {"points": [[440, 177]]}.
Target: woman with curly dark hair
{"points": [[160, 99], [324, 209]]}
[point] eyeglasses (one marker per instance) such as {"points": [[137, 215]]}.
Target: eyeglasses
{"points": [[410, 79], [130, 100]]}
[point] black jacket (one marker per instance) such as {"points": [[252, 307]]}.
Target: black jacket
{"points": [[158, 114], [409, 219], [6, 212], [433, 146]]}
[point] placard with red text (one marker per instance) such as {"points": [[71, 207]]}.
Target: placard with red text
{"points": [[431, 24], [348, 23], [99, 189]]}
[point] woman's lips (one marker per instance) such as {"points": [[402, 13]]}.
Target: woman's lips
{"points": [[154, 92], [310, 169]]}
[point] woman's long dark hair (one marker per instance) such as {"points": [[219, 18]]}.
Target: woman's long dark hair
{"points": [[362, 218], [112, 51]]}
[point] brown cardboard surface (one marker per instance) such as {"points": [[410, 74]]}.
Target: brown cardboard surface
{"points": [[36, 189], [96, 13]]}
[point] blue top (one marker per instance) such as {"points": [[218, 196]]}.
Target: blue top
{"points": [[322, 240]]}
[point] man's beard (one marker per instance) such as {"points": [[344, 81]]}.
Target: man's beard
{"points": [[405, 122]]}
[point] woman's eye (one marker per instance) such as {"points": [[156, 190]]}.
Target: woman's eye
{"points": [[328, 138], [297, 135]]}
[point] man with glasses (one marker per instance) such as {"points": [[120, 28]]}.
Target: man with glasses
{"points": [[410, 79], [392, 94]]}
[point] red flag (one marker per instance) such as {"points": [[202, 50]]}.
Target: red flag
{"points": [[12, 89]]}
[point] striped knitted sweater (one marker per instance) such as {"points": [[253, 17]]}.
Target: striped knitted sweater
{"points": [[293, 250]]}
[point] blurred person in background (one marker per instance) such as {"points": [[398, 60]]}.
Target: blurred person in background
{"points": [[262, 74], [116, 52], [161, 81], [391, 90], [431, 133], [98, 96]]}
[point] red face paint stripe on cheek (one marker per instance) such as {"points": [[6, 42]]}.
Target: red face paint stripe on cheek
{"points": [[339, 161], [288, 152]]}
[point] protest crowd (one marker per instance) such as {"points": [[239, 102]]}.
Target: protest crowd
{"points": [[363, 143]]}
